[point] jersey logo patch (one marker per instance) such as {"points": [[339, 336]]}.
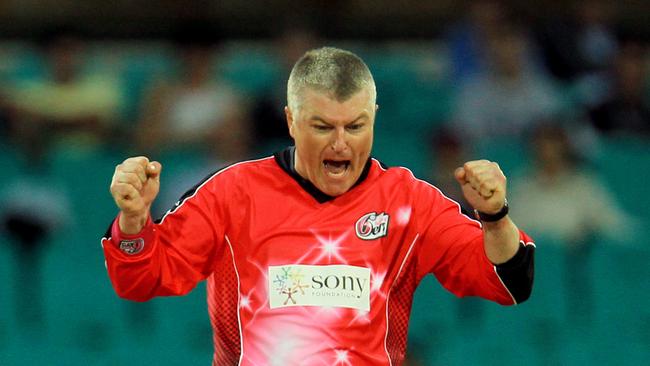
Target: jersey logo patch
{"points": [[372, 226], [319, 285], [132, 247]]}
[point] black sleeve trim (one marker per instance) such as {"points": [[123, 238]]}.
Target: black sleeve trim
{"points": [[517, 273], [109, 231]]}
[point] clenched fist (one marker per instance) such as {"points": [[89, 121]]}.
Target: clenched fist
{"points": [[135, 185], [483, 184]]}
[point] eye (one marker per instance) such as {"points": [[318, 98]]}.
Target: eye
{"points": [[322, 127], [355, 127]]}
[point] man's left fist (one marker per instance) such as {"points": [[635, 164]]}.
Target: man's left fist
{"points": [[483, 184]]}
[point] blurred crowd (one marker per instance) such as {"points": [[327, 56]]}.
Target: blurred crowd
{"points": [[556, 90]]}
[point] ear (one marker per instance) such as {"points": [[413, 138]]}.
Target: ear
{"points": [[289, 115]]}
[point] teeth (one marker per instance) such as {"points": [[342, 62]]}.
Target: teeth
{"points": [[336, 167]]}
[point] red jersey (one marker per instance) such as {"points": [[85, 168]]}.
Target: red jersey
{"points": [[296, 277]]}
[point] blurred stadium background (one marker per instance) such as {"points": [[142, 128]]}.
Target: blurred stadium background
{"points": [[85, 84]]}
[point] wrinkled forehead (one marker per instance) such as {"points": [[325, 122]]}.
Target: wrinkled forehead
{"points": [[309, 93], [327, 106]]}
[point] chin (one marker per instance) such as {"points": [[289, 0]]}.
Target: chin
{"points": [[335, 191]]}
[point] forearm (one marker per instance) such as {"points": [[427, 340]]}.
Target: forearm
{"points": [[132, 224], [501, 240]]}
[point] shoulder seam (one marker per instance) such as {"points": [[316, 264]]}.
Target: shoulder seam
{"points": [[441, 193], [196, 189]]}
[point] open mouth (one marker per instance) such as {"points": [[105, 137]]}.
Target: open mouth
{"points": [[336, 167]]}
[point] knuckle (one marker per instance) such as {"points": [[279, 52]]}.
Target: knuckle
{"points": [[141, 160]]}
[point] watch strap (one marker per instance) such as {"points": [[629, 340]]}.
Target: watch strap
{"points": [[492, 217]]}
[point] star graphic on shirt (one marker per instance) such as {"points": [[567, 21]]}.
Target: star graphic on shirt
{"points": [[258, 306], [360, 316], [330, 247], [342, 357], [376, 281], [403, 215], [245, 302], [327, 247]]}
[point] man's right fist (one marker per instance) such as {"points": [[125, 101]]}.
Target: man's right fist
{"points": [[135, 185]]}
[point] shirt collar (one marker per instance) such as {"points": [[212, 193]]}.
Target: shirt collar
{"points": [[286, 161]]}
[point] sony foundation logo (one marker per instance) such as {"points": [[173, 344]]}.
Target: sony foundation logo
{"points": [[309, 285], [372, 226]]}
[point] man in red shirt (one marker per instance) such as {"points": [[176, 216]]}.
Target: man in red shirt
{"points": [[312, 256]]}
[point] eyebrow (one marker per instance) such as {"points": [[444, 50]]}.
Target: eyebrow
{"points": [[321, 119]]}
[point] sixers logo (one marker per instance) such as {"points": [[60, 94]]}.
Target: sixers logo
{"points": [[372, 226]]}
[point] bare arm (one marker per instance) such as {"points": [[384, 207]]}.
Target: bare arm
{"points": [[501, 240]]}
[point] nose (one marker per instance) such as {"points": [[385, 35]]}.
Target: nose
{"points": [[339, 143]]}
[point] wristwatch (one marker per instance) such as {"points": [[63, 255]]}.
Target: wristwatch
{"points": [[492, 217]]}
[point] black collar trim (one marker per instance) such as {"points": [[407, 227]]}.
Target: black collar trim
{"points": [[286, 160]]}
